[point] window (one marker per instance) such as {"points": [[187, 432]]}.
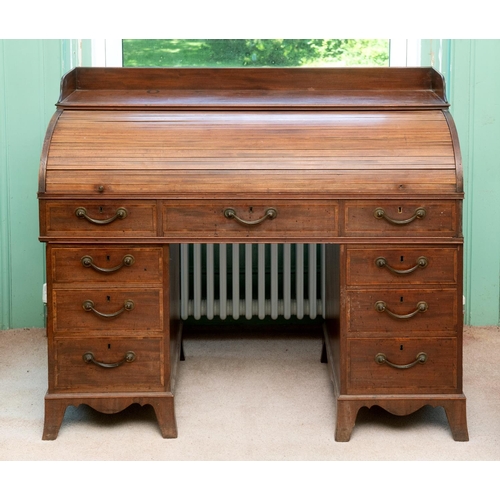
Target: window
{"points": [[172, 52], [255, 52]]}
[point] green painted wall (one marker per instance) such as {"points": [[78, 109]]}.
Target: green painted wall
{"points": [[30, 72], [472, 71], [475, 94]]}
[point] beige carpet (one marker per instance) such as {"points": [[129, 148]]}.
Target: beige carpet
{"points": [[246, 396]]}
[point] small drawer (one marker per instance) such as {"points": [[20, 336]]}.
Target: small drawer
{"points": [[240, 220], [83, 218], [108, 364], [387, 265], [110, 310], [401, 365], [402, 311], [133, 265], [401, 218]]}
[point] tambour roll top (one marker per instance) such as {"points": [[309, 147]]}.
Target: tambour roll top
{"points": [[292, 132]]}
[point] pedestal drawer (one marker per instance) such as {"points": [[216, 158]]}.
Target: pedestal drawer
{"points": [[90, 218], [133, 265], [109, 364], [397, 311], [420, 365], [384, 265], [96, 310], [401, 218], [240, 219]]}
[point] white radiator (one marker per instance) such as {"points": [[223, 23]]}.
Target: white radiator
{"points": [[252, 280]]}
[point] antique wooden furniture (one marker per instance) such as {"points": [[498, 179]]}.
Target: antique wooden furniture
{"points": [[136, 161]]}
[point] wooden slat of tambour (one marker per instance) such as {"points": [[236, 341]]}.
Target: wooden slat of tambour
{"points": [[168, 134], [258, 162], [147, 164], [334, 130], [370, 149], [440, 154], [261, 164], [242, 142], [263, 182], [327, 129], [215, 120]]}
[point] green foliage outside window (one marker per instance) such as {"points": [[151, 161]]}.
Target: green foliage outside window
{"points": [[265, 52]]}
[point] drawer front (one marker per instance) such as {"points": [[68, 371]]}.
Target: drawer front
{"points": [[402, 311], [401, 265], [109, 364], [132, 310], [369, 370], [133, 265], [401, 218], [278, 219], [83, 218]]}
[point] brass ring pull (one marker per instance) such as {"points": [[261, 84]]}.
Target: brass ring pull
{"points": [[381, 358], [381, 306], [127, 261], [421, 263], [88, 305], [271, 213], [379, 213], [121, 213], [88, 357]]}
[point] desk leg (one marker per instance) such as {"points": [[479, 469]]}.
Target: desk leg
{"points": [[54, 414], [165, 414], [324, 356], [457, 418], [347, 412]]}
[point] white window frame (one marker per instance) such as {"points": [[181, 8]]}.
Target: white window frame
{"points": [[108, 52]]}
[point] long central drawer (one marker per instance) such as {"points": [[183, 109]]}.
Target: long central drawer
{"points": [[276, 219]]}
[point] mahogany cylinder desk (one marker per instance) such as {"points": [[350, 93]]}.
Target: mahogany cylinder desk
{"points": [[364, 160]]}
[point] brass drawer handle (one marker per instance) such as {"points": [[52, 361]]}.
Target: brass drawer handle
{"points": [[421, 263], [121, 213], [88, 305], [381, 306], [271, 213], [381, 358], [88, 357], [379, 213], [87, 261]]}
